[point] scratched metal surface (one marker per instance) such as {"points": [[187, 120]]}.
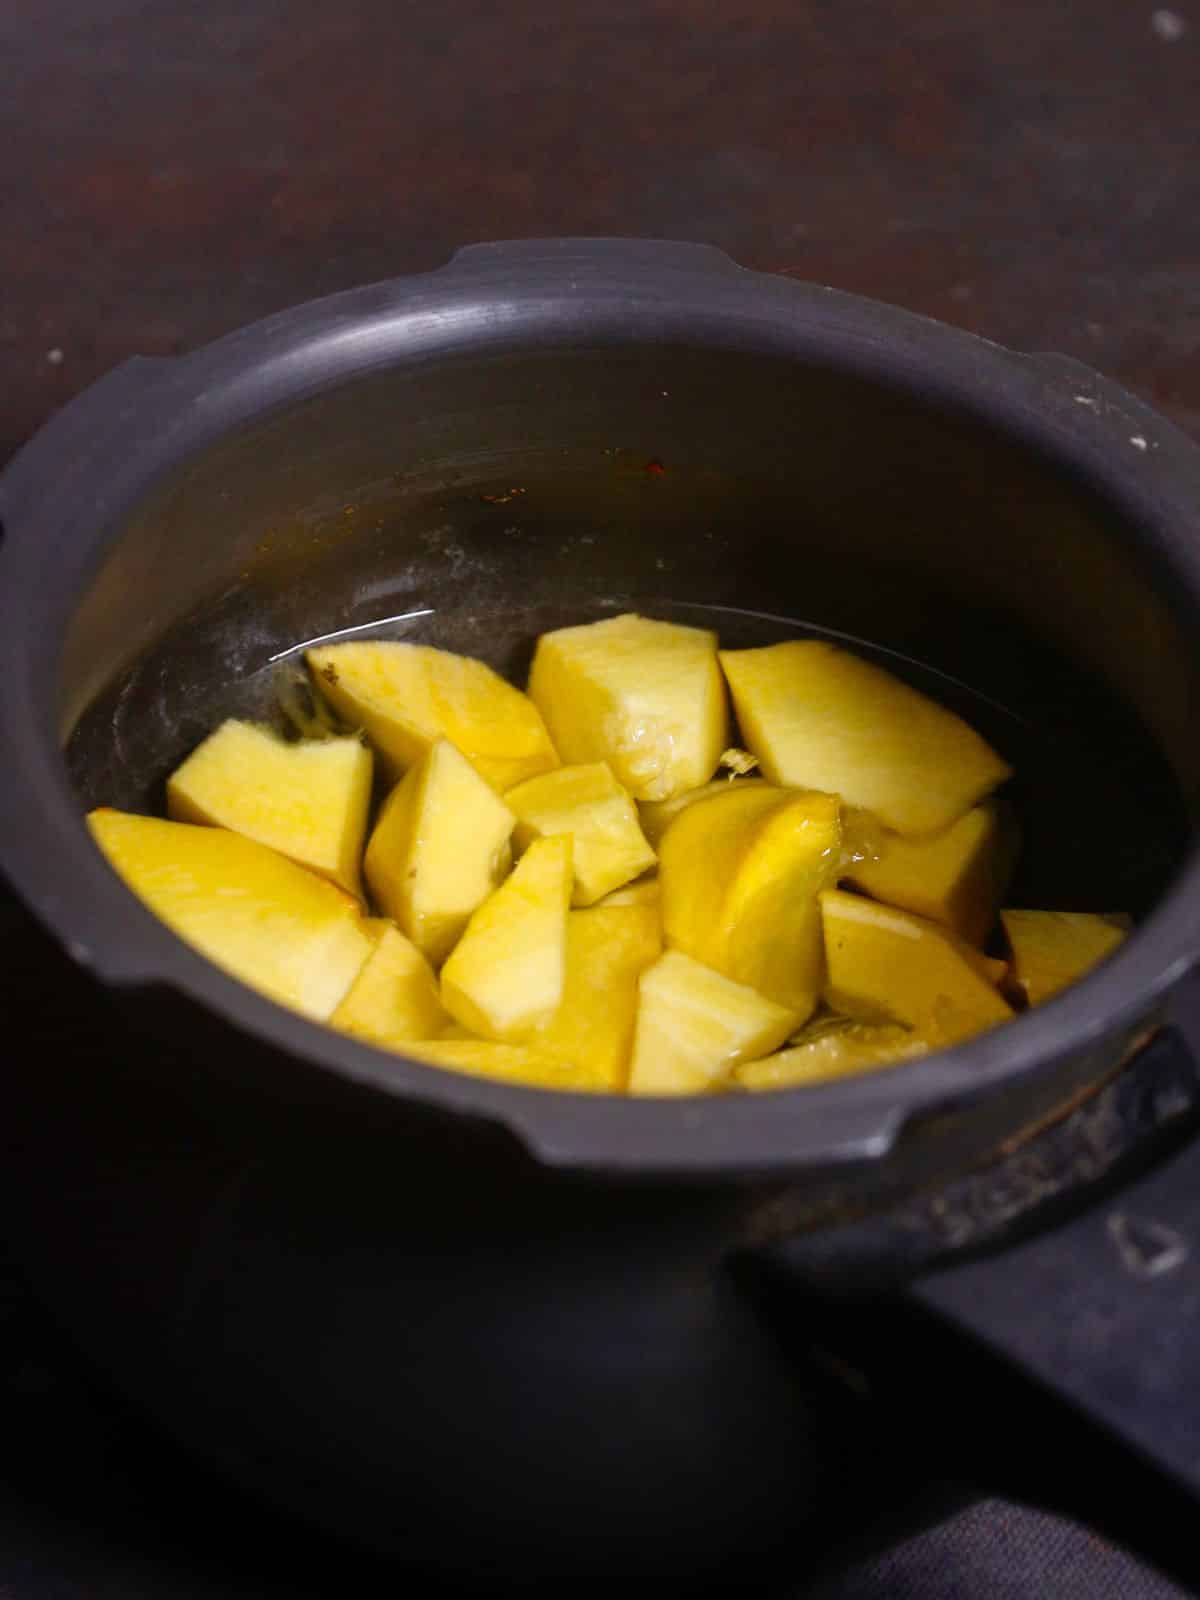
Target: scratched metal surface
{"points": [[1105, 1309], [1138, 1116]]}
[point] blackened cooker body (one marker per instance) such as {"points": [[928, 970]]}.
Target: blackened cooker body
{"points": [[408, 1302]]}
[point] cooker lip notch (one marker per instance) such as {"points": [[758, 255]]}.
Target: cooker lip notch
{"points": [[64, 497]]}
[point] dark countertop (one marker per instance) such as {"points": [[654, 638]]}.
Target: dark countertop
{"points": [[169, 172]]}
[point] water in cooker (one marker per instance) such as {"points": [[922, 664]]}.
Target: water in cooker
{"points": [[1103, 826]]}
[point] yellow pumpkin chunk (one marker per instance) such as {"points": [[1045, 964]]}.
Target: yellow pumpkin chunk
{"points": [[836, 1048], [588, 803], [658, 815], [439, 848], [695, 1025], [645, 696], [608, 949], [293, 936], [889, 966], [395, 996], [1051, 949], [956, 877], [404, 696], [512, 1063], [819, 717], [645, 892], [505, 977], [740, 873], [307, 800]]}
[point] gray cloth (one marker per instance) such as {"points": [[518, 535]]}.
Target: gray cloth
{"points": [[996, 1550]]}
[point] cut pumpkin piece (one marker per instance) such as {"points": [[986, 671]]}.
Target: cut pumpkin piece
{"points": [[504, 978], [740, 873], [308, 800], [819, 717], [293, 936], [957, 877], [645, 696], [608, 949], [836, 1048], [658, 815], [404, 696], [588, 803], [439, 848], [512, 1063], [645, 892], [695, 1025], [889, 966], [1051, 949], [395, 996]]}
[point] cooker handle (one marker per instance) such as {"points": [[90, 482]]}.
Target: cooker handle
{"points": [[1091, 1292], [1102, 1311], [591, 256]]}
